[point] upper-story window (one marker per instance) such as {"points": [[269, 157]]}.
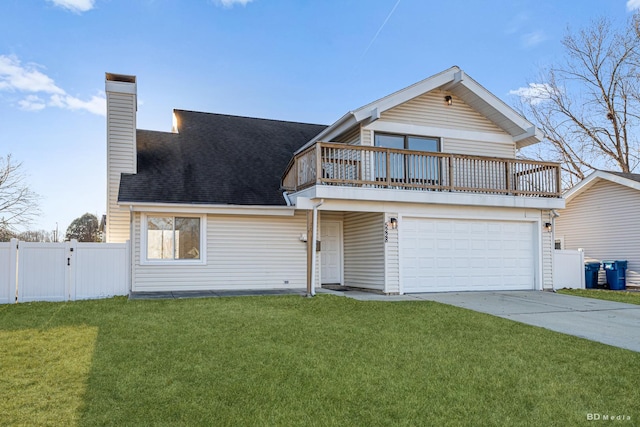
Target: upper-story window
{"points": [[405, 166], [407, 142]]}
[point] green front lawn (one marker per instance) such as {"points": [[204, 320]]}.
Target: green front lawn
{"points": [[288, 360], [619, 296]]}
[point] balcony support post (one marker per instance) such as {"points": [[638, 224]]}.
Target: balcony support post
{"points": [[451, 174], [318, 177], [388, 156], [507, 176]]}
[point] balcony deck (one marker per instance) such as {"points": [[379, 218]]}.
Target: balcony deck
{"points": [[378, 167]]}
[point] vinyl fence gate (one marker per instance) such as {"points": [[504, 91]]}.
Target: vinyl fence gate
{"points": [[568, 269], [66, 271]]}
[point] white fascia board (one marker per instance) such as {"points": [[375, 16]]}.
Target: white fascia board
{"points": [[344, 123], [304, 203], [406, 94], [458, 77], [532, 136], [500, 106], [120, 87], [525, 135], [592, 179], [388, 196], [212, 209]]}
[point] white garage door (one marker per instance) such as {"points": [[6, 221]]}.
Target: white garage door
{"points": [[467, 255]]}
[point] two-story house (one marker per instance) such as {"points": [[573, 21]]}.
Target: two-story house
{"points": [[418, 191]]}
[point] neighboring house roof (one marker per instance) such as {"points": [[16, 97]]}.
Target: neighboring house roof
{"points": [[460, 84], [214, 159], [631, 180]]}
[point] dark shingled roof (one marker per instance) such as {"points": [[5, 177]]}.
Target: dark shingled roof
{"points": [[632, 176], [215, 159]]}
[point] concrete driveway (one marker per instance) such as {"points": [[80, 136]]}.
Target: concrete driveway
{"points": [[608, 322]]}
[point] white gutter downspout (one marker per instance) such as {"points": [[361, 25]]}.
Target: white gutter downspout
{"points": [[313, 247], [286, 198]]}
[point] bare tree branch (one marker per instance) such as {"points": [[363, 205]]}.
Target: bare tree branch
{"points": [[18, 204], [589, 105]]}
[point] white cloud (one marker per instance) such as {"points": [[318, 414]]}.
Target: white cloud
{"points": [[535, 93], [32, 103], [16, 77], [533, 39], [76, 6], [96, 105], [633, 4], [231, 3]]}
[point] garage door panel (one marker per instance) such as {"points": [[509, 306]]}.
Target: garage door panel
{"points": [[425, 227], [425, 244], [453, 255], [461, 244]]}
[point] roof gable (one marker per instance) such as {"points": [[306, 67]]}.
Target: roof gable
{"points": [[460, 84], [630, 180], [429, 110]]}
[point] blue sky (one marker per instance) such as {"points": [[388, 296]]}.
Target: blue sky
{"points": [[299, 60]]}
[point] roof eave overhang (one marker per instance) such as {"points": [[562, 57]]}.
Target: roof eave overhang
{"points": [[596, 176], [343, 124], [524, 132], [192, 208]]}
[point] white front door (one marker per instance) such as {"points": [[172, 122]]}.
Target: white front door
{"points": [[331, 255]]}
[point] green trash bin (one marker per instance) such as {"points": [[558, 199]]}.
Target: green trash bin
{"points": [[616, 274], [591, 270]]}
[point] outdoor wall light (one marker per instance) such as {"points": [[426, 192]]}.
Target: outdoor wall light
{"points": [[393, 223], [448, 100], [547, 226]]}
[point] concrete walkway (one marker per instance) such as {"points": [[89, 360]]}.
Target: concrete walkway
{"points": [[608, 322]]}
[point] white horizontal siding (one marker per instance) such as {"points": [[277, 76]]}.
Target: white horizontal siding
{"points": [[243, 252], [430, 109], [331, 216], [364, 255], [392, 259], [604, 222], [121, 158], [478, 148], [352, 136], [365, 137]]}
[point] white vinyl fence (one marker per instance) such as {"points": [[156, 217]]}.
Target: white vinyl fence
{"points": [[66, 271], [568, 269]]}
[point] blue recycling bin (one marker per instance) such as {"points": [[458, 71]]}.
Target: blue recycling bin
{"points": [[616, 274], [591, 270]]}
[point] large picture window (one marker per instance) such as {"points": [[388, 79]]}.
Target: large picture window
{"points": [[173, 238]]}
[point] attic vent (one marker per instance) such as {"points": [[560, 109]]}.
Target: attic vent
{"points": [[120, 78]]}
